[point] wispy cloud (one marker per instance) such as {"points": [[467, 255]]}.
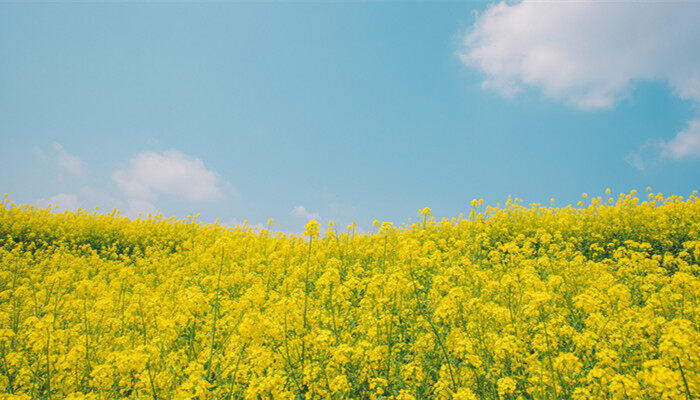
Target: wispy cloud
{"points": [[686, 143], [64, 201], [301, 211], [238, 222], [67, 162]]}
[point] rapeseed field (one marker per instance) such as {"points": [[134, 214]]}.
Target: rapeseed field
{"points": [[595, 301]]}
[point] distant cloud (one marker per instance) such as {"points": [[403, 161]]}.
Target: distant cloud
{"points": [[64, 201], [68, 162], [686, 143], [172, 173], [139, 206], [636, 160], [301, 211], [237, 222], [591, 54]]}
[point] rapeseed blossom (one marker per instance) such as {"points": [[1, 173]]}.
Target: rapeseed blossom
{"points": [[598, 301]]}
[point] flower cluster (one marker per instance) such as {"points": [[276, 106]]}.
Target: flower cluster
{"points": [[598, 301]]}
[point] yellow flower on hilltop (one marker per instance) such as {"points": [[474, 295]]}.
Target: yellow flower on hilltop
{"points": [[312, 228]]}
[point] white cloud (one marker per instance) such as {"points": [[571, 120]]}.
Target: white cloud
{"points": [[171, 173], [140, 206], [236, 222], [636, 160], [591, 54], [301, 211], [64, 201], [68, 162], [588, 54], [651, 153], [685, 144]]}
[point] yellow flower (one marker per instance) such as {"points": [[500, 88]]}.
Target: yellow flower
{"points": [[591, 302], [506, 386], [312, 228]]}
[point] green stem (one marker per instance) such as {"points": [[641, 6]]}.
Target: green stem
{"points": [[214, 318], [421, 310], [688, 396], [306, 304], [48, 363]]}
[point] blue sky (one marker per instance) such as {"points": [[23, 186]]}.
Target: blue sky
{"points": [[344, 111]]}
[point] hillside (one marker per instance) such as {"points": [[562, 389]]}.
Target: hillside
{"points": [[598, 301]]}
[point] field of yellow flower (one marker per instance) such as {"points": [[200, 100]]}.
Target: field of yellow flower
{"points": [[598, 301]]}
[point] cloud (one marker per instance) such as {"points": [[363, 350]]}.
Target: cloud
{"points": [[651, 153], [591, 54], [237, 222], [64, 201], [588, 54], [68, 162], [685, 144], [636, 160], [140, 206], [301, 211], [172, 173]]}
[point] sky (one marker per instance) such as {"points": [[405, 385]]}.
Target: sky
{"points": [[344, 111]]}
